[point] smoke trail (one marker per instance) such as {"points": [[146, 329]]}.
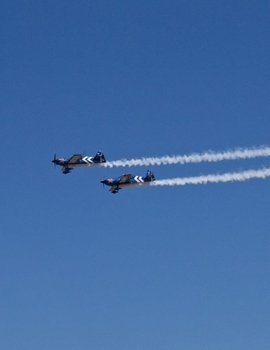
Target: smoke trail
{"points": [[210, 156], [214, 178]]}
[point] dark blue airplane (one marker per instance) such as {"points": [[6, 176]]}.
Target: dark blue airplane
{"points": [[128, 180], [78, 161]]}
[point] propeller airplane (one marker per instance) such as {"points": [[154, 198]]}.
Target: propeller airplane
{"points": [[128, 180], [78, 161]]}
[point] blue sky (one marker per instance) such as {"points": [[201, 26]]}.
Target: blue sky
{"points": [[147, 269]]}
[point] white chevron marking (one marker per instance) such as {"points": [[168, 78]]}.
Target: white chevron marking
{"points": [[136, 179]]}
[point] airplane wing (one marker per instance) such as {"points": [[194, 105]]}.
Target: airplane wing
{"points": [[125, 178], [66, 170], [75, 158], [114, 189]]}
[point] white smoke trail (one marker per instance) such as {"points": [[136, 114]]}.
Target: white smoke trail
{"points": [[214, 178], [210, 156]]}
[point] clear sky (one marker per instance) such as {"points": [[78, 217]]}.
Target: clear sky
{"points": [[160, 268]]}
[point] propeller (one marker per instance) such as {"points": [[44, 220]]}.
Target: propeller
{"points": [[54, 159], [102, 181]]}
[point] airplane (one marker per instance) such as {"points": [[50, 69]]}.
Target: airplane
{"points": [[78, 161], [128, 180]]}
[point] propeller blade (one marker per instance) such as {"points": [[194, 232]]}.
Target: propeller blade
{"points": [[54, 159], [102, 181]]}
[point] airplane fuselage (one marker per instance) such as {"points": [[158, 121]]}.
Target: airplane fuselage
{"points": [[81, 165]]}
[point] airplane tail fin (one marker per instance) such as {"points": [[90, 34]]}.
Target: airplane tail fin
{"points": [[149, 176], [99, 157]]}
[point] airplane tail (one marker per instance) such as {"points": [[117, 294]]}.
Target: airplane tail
{"points": [[149, 176], [99, 157]]}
